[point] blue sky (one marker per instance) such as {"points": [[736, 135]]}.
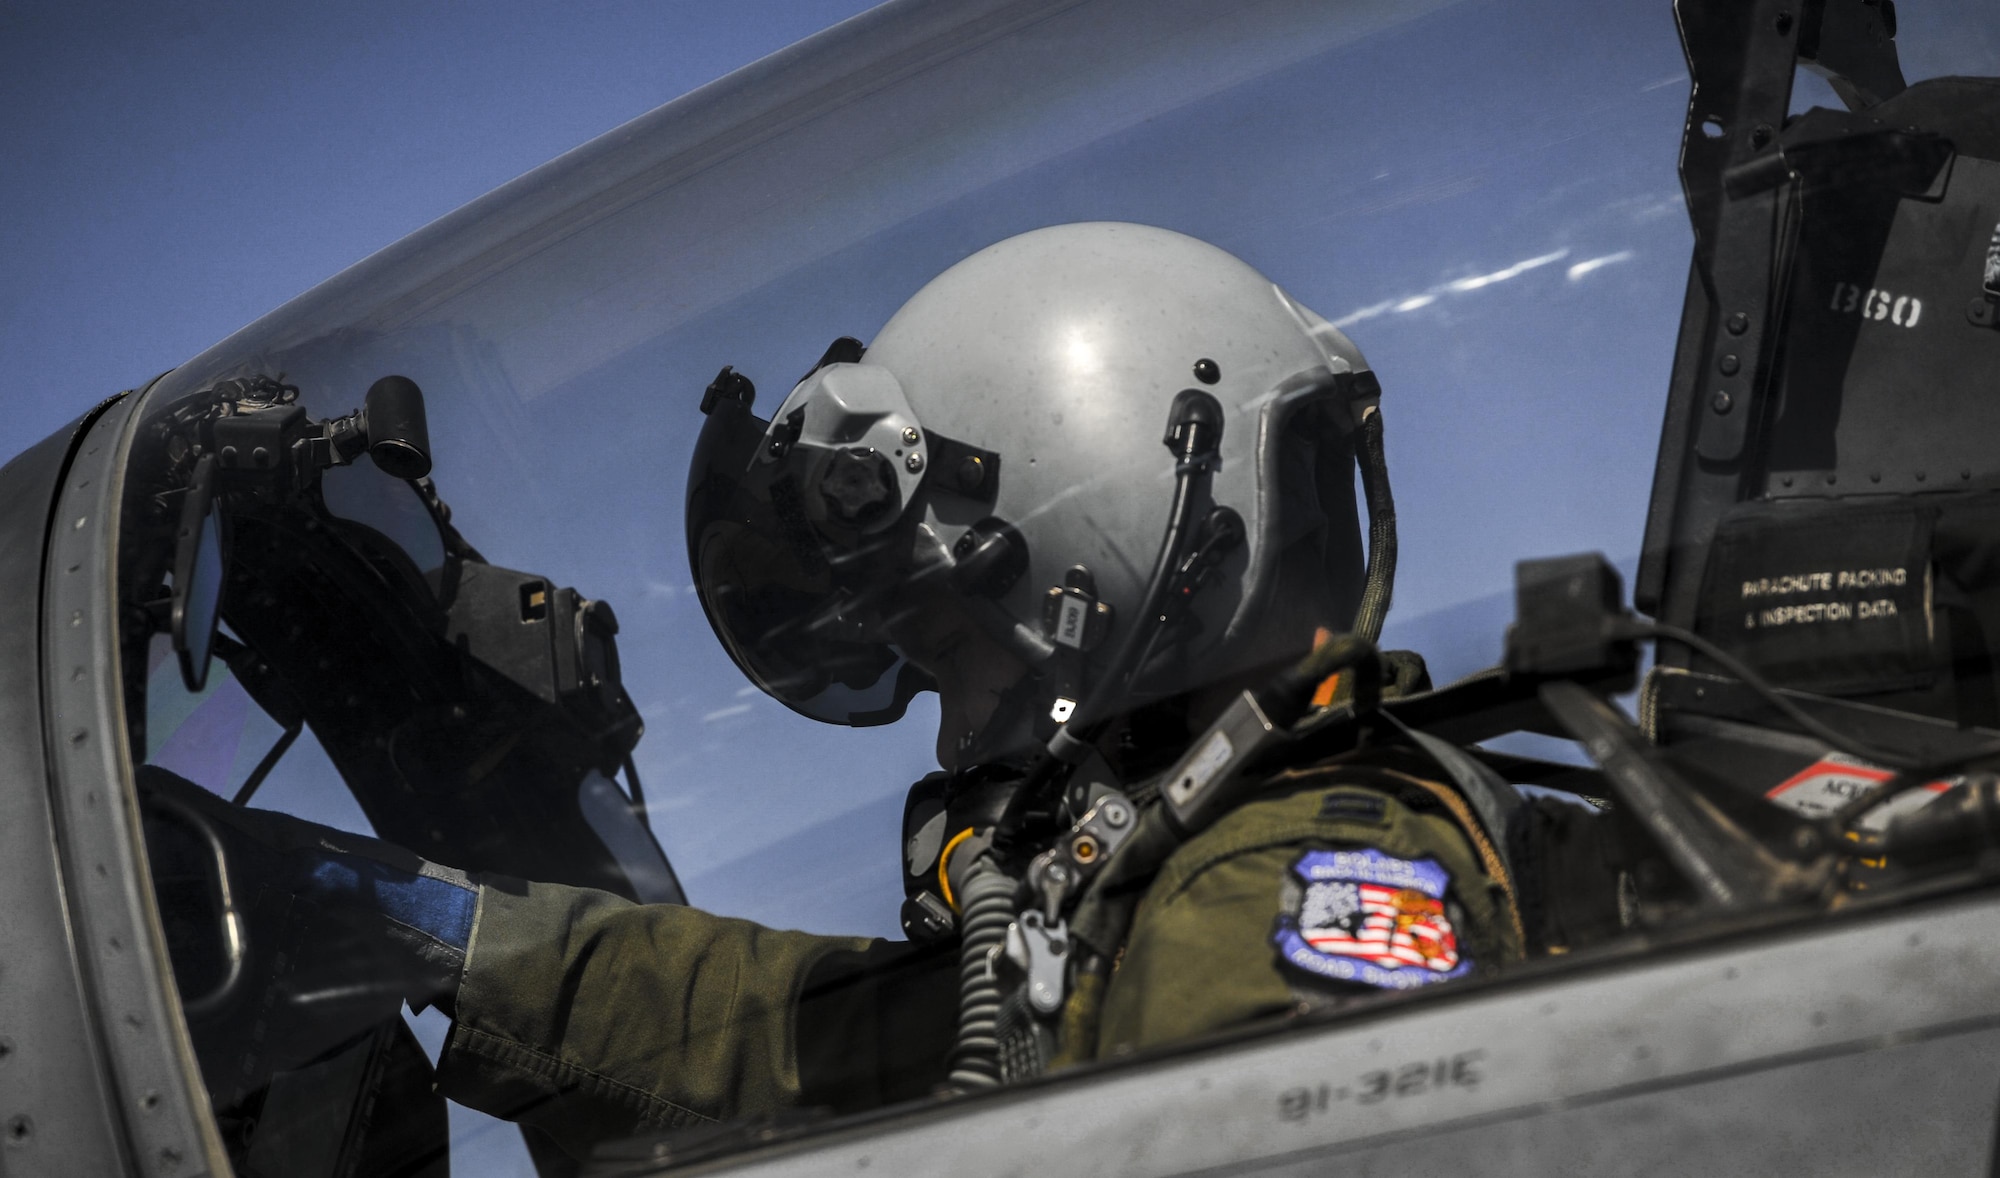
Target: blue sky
{"points": [[174, 170]]}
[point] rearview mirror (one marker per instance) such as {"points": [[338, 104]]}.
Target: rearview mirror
{"points": [[196, 607]]}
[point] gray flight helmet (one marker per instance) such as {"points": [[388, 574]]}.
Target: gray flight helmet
{"points": [[1001, 442]]}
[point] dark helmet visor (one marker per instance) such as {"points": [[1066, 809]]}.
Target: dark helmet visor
{"points": [[782, 608]]}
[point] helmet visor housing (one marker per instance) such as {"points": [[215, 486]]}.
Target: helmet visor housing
{"points": [[799, 612]]}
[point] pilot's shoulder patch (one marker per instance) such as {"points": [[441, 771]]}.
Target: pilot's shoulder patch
{"points": [[1359, 915]]}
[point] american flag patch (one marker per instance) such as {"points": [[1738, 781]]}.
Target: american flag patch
{"points": [[1363, 916]]}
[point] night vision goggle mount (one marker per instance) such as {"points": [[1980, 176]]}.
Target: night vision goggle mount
{"points": [[259, 428]]}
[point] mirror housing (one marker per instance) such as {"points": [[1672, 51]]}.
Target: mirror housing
{"points": [[399, 438], [195, 609]]}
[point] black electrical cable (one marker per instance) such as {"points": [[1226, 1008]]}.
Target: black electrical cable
{"points": [[1081, 728], [1194, 435], [1194, 432], [265, 766], [1140, 637], [1770, 694], [1902, 782], [637, 792], [1911, 772]]}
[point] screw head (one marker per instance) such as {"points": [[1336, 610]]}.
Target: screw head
{"points": [[1738, 323], [1207, 371], [1722, 403], [1115, 814], [914, 463], [910, 435], [1729, 364]]}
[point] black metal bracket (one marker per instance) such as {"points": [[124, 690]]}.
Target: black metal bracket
{"points": [[1725, 865], [1852, 44], [1742, 58]]}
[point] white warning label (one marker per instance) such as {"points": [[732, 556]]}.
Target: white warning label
{"points": [[1823, 787]]}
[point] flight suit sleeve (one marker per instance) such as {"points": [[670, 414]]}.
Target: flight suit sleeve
{"points": [[591, 1017]]}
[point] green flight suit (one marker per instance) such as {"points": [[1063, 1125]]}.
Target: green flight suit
{"points": [[591, 1017]]}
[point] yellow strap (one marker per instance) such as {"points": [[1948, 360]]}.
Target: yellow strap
{"points": [[944, 861]]}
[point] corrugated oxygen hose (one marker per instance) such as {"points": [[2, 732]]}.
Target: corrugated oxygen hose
{"points": [[987, 902], [1381, 581]]}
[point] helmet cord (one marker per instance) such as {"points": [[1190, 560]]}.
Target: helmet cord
{"points": [[988, 899], [1381, 582], [1194, 435]]}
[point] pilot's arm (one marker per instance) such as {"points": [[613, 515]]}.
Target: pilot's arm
{"points": [[592, 1017], [576, 1011]]}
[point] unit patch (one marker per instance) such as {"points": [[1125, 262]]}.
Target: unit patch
{"points": [[1363, 916]]}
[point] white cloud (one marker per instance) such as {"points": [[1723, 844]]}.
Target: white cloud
{"points": [[1461, 285], [1456, 286], [1598, 263], [1650, 206], [1364, 313], [725, 713]]}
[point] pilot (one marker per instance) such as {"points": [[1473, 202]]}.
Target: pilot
{"points": [[1094, 485]]}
